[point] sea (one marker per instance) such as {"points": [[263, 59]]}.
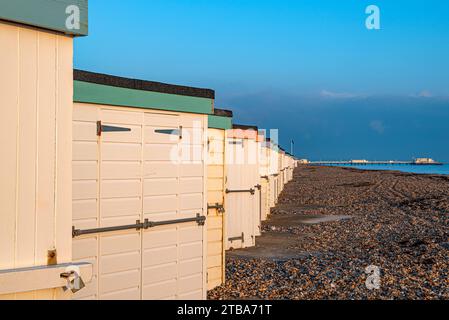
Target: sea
{"points": [[422, 169]]}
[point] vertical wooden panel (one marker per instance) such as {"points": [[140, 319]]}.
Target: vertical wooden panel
{"points": [[8, 141], [48, 294], [215, 220], [26, 210], [264, 164], [7, 296], [204, 130], [46, 141], [29, 93], [64, 149]]}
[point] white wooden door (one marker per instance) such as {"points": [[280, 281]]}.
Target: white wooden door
{"points": [[216, 223], [240, 195], [131, 172], [36, 85], [252, 174]]}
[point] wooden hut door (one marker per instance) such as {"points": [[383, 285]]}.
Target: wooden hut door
{"points": [[239, 196], [129, 168]]}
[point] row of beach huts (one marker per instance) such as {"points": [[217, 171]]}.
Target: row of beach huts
{"points": [[116, 188]]}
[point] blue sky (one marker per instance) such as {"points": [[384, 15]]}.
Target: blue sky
{"points": [[340, 84]]}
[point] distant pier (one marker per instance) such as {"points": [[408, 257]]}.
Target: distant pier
{"points": [[416, 162]]}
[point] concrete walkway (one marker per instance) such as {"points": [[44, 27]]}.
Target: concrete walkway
{"points": [[281, 245]]}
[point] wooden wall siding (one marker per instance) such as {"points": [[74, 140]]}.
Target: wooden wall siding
{"points": [[215, 220], [127, 176], [274, 161], [35, 135], [265, 210], [289, 168], [280, 178], [285, 167], [271, 191], [274, 170], [264, 166], [254, 167]]}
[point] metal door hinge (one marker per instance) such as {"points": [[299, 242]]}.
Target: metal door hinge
{"points": [[177, 132], [103, 128]]}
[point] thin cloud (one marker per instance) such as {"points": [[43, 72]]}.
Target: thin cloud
{"points": [[426, 94], [338, 95], [377, 126], [423, 94]]}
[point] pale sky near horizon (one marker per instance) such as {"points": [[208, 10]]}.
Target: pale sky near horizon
{"points": [[307, 67]]}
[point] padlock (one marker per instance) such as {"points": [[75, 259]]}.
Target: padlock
{"points": [[77, 284], [74, 281]]}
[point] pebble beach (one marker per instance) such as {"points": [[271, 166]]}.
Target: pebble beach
{"points": [[331, 223]]}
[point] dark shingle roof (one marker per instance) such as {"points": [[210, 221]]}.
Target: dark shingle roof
{"points": [[143, 85], [245, 127], [223, 113]]}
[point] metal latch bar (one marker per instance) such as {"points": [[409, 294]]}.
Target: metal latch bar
{"points": [[219, 207], [138, 225], [201, 220], [242, 238], [259, 187], [252, 191]]}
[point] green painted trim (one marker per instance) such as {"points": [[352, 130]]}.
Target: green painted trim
{"points": [[87, 92], [217, 122], [47, 14]]}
